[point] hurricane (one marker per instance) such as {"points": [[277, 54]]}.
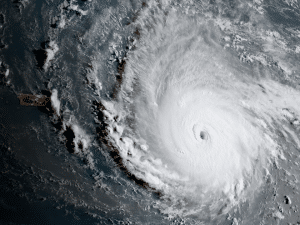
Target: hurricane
{"points": [[150, 112], [198, 122]]}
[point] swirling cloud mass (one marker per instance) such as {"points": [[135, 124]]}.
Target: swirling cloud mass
{"points": [[195, 122]]}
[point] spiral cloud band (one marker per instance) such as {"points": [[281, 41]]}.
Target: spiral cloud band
{"points": [[195, 123]]}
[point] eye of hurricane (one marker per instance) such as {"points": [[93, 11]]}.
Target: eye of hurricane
{"points": [[203, 135]]}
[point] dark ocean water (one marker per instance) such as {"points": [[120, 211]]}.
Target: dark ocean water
{"points": [[60, 161]]}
